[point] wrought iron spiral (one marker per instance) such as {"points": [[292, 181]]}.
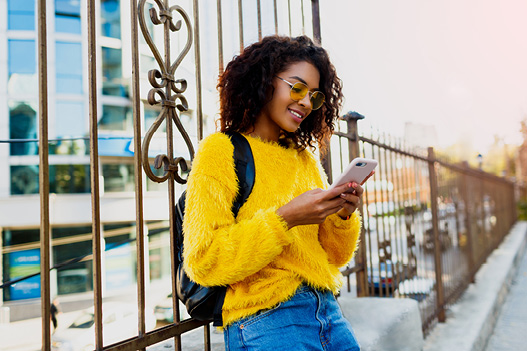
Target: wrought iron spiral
{"points": [[167, 90]]}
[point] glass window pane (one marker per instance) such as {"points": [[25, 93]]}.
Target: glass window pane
{"points": [[112, 72], [69, 179], [69, 68], [74, 277], [118, 177], [22, 67], [21, 14], [24, 180], [116, 118], [69, 119], [69, 123], [68, 16], [111, 19], [23, 125]]}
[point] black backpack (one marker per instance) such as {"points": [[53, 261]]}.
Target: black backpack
{"points": [[205, 303]]}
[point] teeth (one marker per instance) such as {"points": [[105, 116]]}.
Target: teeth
{"points": [[296, 114]]}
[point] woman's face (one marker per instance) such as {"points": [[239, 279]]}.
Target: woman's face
{"points": [[282, 112]]}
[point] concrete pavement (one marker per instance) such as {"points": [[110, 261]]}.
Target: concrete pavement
{"points": [[510, 332]]}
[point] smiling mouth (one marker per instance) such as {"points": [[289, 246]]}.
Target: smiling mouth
{"points": [[296, 114]]}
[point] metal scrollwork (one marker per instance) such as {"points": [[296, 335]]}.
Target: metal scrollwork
{"points": [[167, 90]]}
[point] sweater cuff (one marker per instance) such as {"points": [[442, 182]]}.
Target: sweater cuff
{"points": [[278, 225], [341, 223]]}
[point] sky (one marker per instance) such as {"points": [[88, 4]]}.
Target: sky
{"points": [[459, 65]]}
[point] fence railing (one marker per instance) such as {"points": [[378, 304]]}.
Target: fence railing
{"points": [[429, 225]]}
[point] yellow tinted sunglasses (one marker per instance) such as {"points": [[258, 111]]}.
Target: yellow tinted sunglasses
{"points": [[299, 91]]}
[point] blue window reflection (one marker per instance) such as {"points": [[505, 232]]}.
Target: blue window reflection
{"points": [[70, 123], [112, 72], [68, 16], [69, 68], [23, 125], [111, 19], [21, 57], [22, 66], [21, 14], [116, 118]]}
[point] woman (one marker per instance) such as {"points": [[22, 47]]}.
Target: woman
{"points": [[280, 256]]}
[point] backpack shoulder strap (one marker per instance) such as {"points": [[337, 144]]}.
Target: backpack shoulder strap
{"points": [[245, 170]]}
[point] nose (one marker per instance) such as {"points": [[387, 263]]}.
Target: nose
{"points": [[306, 101]]}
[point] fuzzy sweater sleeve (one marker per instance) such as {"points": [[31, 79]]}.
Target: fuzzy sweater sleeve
{"points": [[219, 249], [340, 238]]}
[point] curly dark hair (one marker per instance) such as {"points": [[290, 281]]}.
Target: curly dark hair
{"points": [[246, 86]]}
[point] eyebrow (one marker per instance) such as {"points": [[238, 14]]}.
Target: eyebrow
{"points": [[303, 81]]}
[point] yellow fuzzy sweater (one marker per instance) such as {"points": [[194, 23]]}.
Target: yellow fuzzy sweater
{"points": [[261, 261]]}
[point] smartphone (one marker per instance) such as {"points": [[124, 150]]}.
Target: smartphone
{"points": [[356, 171]]}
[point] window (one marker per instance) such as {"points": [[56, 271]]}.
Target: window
{"points": [[63, 179], [112, 73], [22, 69], [69, 123], [118, 177], [69, 179], [69, 68], [68, 16], [22, 125], [111, 19], [116, 118], [74, 277], [69, 119], [21, 14], [24, 180]]}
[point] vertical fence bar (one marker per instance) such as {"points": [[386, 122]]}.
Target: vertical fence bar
{"points": [[275, 18], [315, 9], [220, 37], [139, 220], [468, 225], [43, 170], [240, 24], [440, 301], [354, 151], [259, 13], [94, 176], [197, 55]]}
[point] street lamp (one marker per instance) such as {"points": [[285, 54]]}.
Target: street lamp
{"points": [[480, 161]]}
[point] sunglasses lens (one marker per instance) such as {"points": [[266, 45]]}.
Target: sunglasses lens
{"points": [[298, 91], [317, 99]]}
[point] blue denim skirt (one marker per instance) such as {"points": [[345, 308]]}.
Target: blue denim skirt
{"points": [[310, 320]]}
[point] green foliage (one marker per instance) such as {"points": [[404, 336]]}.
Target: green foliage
{"points": [[522, 210]]}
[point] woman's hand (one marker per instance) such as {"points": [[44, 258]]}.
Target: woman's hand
{"points": [[352, 198], [313, 206]]}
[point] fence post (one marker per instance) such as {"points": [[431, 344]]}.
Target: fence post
{"points": [[468, 224], [440, 301], [361, 260]]}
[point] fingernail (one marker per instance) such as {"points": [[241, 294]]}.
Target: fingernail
{"points": [[350, 185]]}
